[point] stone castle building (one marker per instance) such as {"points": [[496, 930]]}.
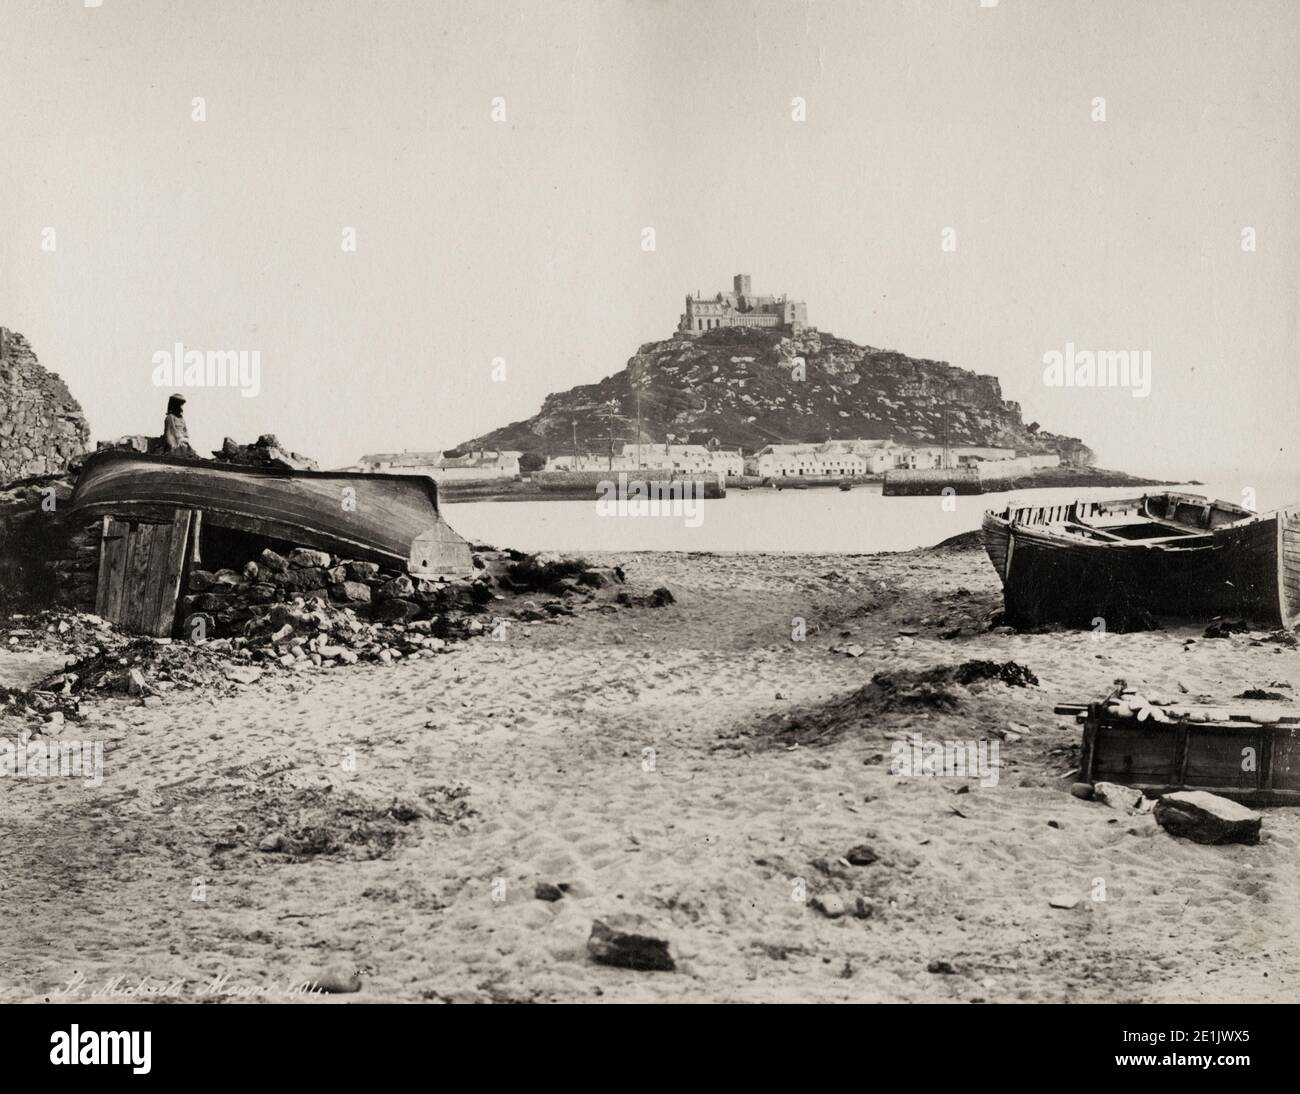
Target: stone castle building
{"points": [[741, 308]]}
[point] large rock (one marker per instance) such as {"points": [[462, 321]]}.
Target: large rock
{"points": [[1207, 818], [302, 578], [260, 592], [351, 592], [399, 588], [302, 557], [397, 611], [275, 563], [1127, 799], [609, 945], [601, 577], [266, 452]]}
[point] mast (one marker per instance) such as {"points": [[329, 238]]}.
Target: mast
{"points": [[638, 427]]}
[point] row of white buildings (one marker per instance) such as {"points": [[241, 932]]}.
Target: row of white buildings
{"points": [[833, 459], [686, 458], [829, 459], [478, 464]]}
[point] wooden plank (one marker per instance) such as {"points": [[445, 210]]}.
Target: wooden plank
{"points": [[127, 614], [1124, 756], [1088, 752], [167, 581], [113, 546], [1267, 739], [140, 540], [1181, 753], [151, 593], [196, 530], [1284, 766], [1216, 759]]}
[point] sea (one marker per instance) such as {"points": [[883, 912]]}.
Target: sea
{"points": [[819, 520]]}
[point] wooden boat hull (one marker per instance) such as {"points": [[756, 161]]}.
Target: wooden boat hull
{"points": [[372, 517], [1239, 564]]}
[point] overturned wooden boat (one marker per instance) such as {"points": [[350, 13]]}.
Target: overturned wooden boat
{"points": [[1117, 564], [390, 519]]}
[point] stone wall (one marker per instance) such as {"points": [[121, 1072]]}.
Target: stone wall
{"points": [[931, 481], [1005, 469], [32, 540], [42, 427]]}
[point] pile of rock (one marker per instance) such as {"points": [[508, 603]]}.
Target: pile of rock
{"points": [[131, 442], [227, 601], [568, 582], [266, 451], [42, 428], [313, 607]]}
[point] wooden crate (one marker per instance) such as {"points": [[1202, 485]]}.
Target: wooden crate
{"points": [[1255, 762]]}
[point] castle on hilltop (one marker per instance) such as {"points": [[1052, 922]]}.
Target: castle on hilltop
{"points": [[741, 308]]}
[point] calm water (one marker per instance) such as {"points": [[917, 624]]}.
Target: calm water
{"points": [[814, 520]]}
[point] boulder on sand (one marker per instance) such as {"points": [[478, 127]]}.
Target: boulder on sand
{"points": [[1127, 799], [1203, 817], [608, 945]]}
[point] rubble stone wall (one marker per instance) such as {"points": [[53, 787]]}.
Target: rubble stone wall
{"points": [[75, 566], [32, 540], [42, 428]]}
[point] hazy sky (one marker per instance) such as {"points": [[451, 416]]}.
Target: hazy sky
{"points": [[522, 239]]}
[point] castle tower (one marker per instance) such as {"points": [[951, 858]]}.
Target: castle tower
{"points": [[741, 284]]}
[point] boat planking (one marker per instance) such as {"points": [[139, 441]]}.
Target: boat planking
{"points": [[1121, 562], [372, 517]]}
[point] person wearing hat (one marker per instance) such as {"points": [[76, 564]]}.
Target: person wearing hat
{"points": [[176, 436]]}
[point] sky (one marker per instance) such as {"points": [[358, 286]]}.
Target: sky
{"points": [[133, 218]]}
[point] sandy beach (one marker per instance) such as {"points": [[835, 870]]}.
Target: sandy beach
{"points": [[692, 770]]}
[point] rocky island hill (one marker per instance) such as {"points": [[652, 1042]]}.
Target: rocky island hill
{"points": [[749, 387]]}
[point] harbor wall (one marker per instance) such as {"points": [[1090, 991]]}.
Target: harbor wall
{"points": [[588, 484], [994, 470], [932, 480]]}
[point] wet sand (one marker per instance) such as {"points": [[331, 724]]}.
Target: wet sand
{"points": [[439, 794]]}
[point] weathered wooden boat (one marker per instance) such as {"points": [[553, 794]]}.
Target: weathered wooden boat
{"points": [[1241, 748], [375, 517], [1124, 562]]}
